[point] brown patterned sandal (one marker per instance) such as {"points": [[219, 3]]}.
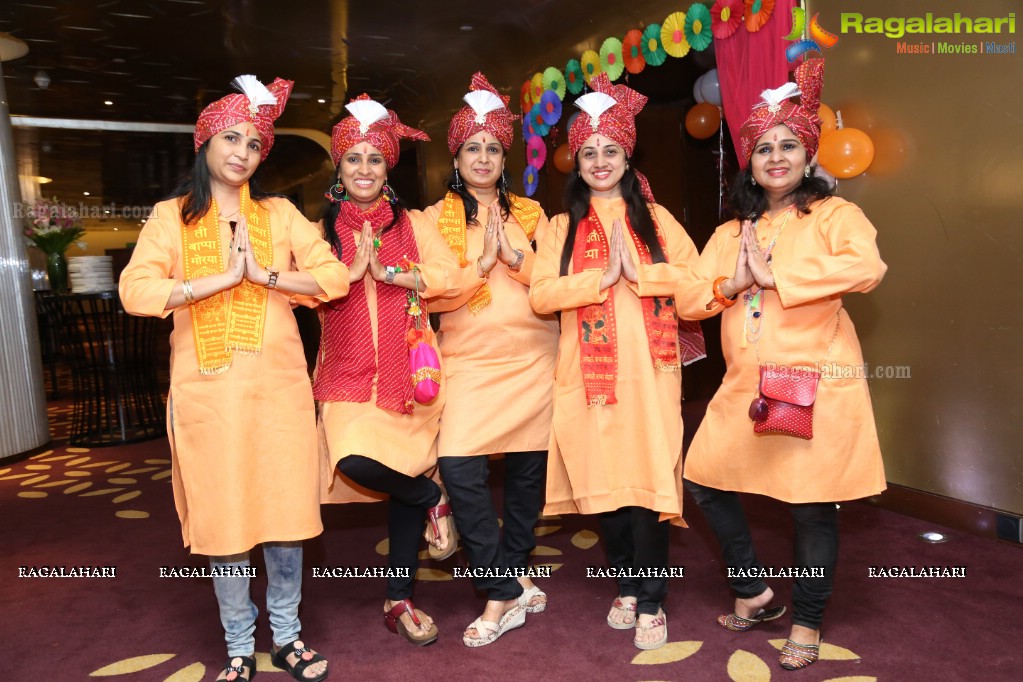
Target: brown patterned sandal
{"points": [[795, 655], [619, 605], [737, 623], [659, 621]]}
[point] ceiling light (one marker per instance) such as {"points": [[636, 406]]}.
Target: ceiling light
{"points": [[108, 103], [321, 101], [42, 79], [933, 537], [85, 193], [465, 27]]}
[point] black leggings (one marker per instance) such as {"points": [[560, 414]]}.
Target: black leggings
{"points": [[406, 514], [816, 546], [465, 479], [636, 539]]}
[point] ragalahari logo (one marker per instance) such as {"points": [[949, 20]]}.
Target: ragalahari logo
{"points": [[819, 38]]}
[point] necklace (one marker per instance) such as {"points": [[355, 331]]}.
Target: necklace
{"points": [[753, 298]]}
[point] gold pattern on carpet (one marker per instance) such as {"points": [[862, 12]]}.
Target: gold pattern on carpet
{"points": [[51, 471]]}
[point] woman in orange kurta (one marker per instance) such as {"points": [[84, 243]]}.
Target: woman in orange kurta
{"points": [[795, 250], [498, 363], [611, 266], [224, 260], [379, 439]]}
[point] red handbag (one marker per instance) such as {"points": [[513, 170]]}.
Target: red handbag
{"points": [[787, 394], [786, 401]]}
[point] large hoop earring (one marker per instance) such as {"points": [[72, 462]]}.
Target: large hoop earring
{"points": [[389, 194], [458, 181], [336, 193]]}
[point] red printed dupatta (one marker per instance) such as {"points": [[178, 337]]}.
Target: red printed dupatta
{"points": [[598, 344]]}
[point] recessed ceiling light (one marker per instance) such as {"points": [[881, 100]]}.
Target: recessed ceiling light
{"points": [[85, 193], [108, 103], [933, 537], [465, 27], [321, 101]]}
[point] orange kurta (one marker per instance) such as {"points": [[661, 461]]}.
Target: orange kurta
{"points": [[406, 443], [498, 362], [243, 442], [606, 457], [817, 258]]}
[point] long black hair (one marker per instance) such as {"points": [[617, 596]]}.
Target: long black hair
{"points": [[195, 188], [748, 201], [472, 206], [577, 202], [331, 209]]}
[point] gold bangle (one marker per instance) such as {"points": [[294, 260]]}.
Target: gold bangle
{"points": [[479, 268], [186, 287]]}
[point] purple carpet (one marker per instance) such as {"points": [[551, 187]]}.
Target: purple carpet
{"points": [[112, 507]]}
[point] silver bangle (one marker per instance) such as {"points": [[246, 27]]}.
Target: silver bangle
{"points": [[186, 287], [517, 265], [391, 272]]}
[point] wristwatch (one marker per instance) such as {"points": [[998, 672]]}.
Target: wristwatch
{"points": [[391, 272], [272, 282]]}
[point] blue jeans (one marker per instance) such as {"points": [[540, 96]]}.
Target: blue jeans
{"points": [[283, 593]]}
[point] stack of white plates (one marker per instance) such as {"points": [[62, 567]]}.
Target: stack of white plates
{"points": [[90, 274]]}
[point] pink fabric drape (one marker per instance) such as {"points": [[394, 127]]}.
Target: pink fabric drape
{"points": [[748, 63]]}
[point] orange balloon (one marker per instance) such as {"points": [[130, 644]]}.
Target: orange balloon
{"points": [[703, 120], [828, 120], [845, 153], [563, 160]]}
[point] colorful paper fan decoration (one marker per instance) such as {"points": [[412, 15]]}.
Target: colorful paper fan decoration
{"points": [[757, 14], [527, 126], [611, 58], [530, 178], [550, 107], [536, 89], [536, 152], [591, 65], [554, 80], [697, 27], [653, 50], [673, 34], [536, 120], [527, 96], [632, 51], [726, 16], [574, 79]]}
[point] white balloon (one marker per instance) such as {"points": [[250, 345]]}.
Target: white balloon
{"points": [[697, 94], [710, 88]]}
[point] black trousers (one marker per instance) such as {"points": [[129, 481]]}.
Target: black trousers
{"points": [[406, 514], [816, 546], [636, 539], [465, 479]]}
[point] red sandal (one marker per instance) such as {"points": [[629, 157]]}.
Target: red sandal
{"points": [[392, 619], [433, 515]]}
